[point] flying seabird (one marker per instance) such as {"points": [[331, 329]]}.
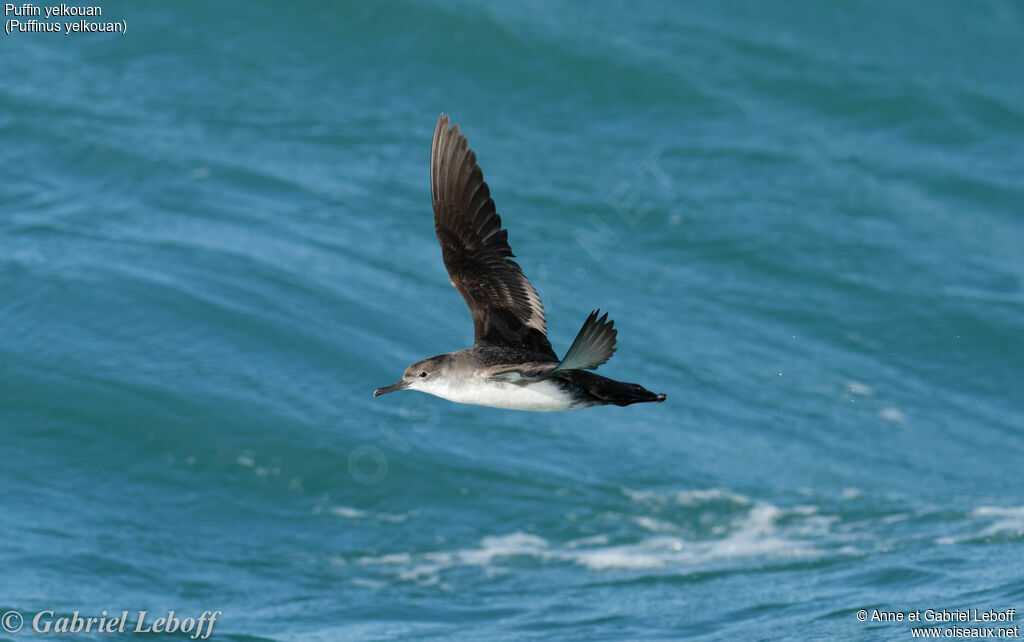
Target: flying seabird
{"points": [[511, 364]]}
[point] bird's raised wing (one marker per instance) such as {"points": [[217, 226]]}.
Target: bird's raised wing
{"points": [[506, 309]]}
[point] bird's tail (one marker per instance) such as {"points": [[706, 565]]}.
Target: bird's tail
{"points": [[594, 344], [603, 390]]}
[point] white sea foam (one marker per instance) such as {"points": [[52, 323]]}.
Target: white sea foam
{"points": [[393, 558], [1008, 521], [755, 535], [688, 497], [858, 388], [347, 512], [892, 414], [655, 525], [343, 511], [893, 519], [990, 521], [753, 529], [692, 497], [639, 495]]}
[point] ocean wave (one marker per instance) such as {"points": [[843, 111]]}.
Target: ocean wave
{"points": [[761, 530]]}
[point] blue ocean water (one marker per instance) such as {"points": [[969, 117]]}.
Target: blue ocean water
{"points": [[806, 219]]}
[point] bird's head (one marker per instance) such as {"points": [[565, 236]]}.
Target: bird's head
{"points": [[421, 375]]}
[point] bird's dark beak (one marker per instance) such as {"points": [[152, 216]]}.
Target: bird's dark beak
{"points": [[398, 385]]}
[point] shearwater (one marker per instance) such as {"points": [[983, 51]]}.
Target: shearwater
{"points": [[511, 364]]}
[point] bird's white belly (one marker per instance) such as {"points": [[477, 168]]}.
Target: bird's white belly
{"points": [[541, 396]]}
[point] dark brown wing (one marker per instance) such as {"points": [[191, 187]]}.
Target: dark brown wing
{"points": [[506, 309]]}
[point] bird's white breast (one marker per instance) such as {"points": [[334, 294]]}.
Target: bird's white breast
{"points": [[539, 396]]}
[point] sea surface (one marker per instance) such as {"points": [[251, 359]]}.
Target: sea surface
{"points": [[806, 218]]}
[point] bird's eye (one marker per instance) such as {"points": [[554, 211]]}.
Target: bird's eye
{"points": [[422, 373]]}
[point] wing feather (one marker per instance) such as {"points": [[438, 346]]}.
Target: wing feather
{"points": [[505, 307]]}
